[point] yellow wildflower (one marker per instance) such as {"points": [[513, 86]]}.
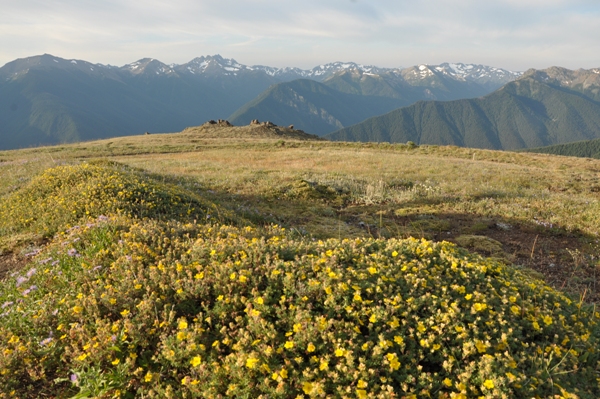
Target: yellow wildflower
{"points": [[307, 387], [251, 362], [196, 360], [489, 384]]}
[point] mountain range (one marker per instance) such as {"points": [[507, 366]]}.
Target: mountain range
{"points": [[354, 94], [541, 108], [47, 100]]}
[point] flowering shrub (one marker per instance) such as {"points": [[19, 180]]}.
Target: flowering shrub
{"points": [[67, 194], [163, 309], [127, 307]]}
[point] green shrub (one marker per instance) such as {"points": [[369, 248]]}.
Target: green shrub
{"points": [[65, 195], [136, 308]]}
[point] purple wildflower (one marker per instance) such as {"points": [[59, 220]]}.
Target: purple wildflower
{"points": [[72, 252], [46, 341], [73, 378], [31, 272], [102, 218], [21, 280], [33, 253], [28, 290], [6, 304], [55, 263]]}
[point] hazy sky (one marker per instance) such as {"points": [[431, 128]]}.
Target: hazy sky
{"points": [[513, 34]]}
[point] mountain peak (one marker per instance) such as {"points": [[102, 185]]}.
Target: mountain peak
{"points": [[22, 66], [148, 66]]}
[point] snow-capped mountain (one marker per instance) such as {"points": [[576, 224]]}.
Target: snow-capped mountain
{"points": [[215, 66], [51, 99], [489, 77]]}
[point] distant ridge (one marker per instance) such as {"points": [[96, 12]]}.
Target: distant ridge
{"points": [[583, 149], [541, 108], [354, 94]]}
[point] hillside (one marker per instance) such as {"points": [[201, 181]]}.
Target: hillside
{"points": [[587, 149], [263, 264], [533, 111], [312, 106]]}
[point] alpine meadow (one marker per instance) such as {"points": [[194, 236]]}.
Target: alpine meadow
{"points": [[260, 261]]}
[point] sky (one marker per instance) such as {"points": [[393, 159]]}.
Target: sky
{"points": [[511, 34]]}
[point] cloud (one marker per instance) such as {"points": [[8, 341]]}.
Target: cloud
{"points": [[516, 34]]}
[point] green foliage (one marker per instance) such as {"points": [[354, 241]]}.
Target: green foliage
{"points": [[66, 195]]}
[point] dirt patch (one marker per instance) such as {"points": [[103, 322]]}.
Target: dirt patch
{"points": [[567, 261], [9, 263]]}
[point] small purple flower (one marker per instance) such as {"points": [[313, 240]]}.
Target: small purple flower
{"points": [[26, 292], [77, 239], [21, 280], [73, 378], [113, 338], [33, 253], [6, 304], [55, 263], [31, 272], [97, 268], [43, 262], [72, 252], [46, 341], [55, 312], [128, 258], [102, 218]]}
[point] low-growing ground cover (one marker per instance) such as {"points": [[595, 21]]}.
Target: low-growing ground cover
{"points": [[148, 300], [157, 309], [68, 232]]}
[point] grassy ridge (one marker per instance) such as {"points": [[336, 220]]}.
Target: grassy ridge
{"points": [[140, 300], [587, 149]]}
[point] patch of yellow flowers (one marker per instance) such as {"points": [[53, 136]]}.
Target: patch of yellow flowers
{"points": [[125, 307]]}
